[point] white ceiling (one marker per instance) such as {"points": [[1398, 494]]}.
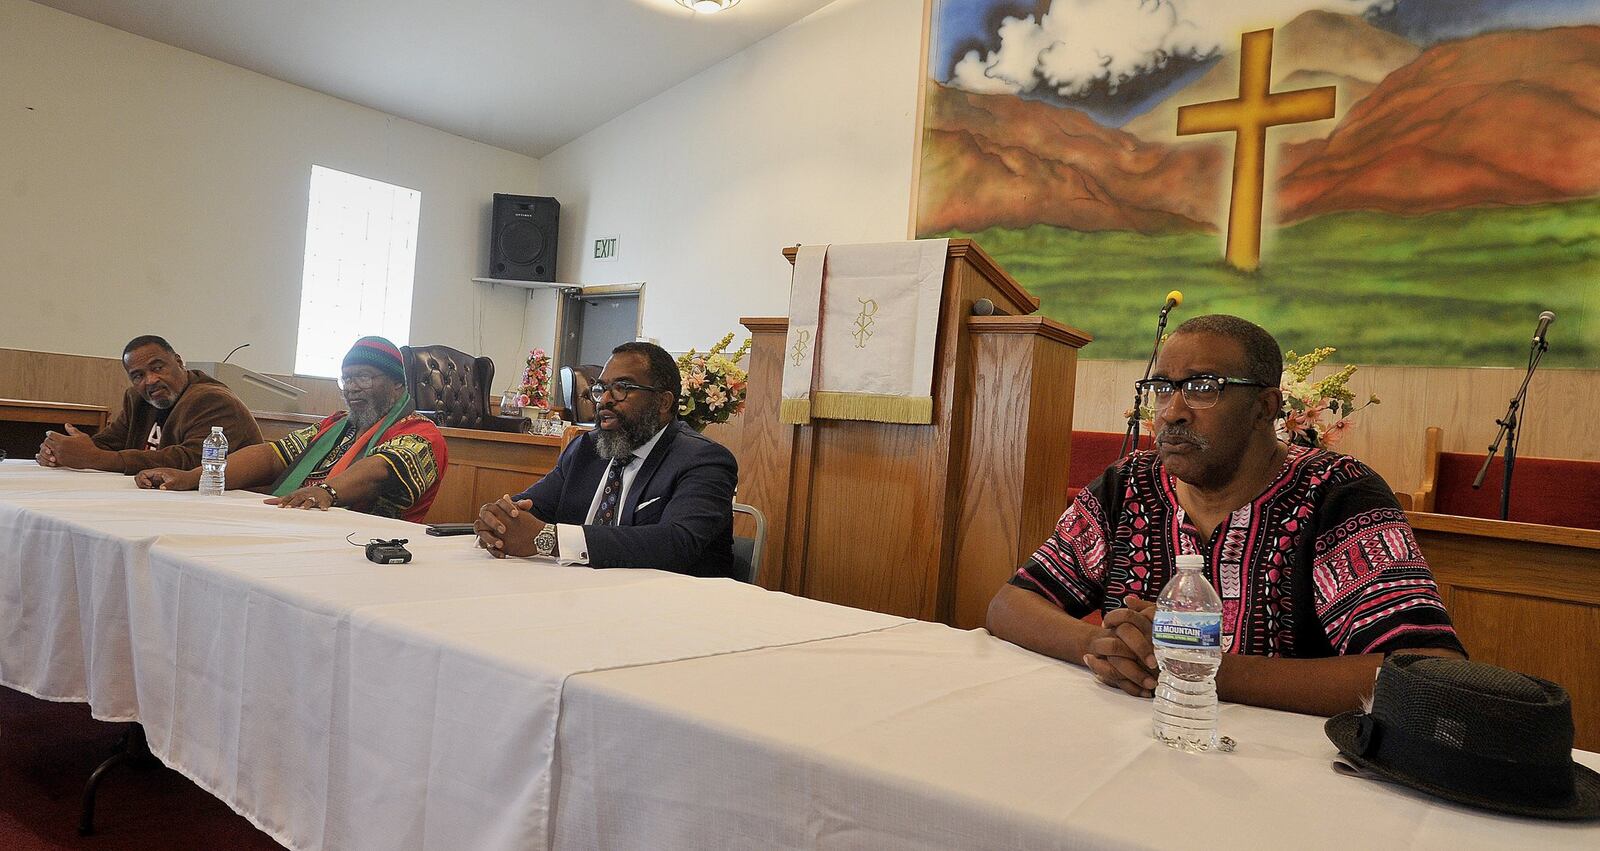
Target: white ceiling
{"points": [[525, 75]]}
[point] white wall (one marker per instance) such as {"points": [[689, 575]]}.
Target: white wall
{"points": [[806, 136], [146, 189]]}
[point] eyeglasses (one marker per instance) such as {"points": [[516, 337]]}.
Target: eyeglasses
{"points": [[618, 390], [364, 381], [1199, 391]]}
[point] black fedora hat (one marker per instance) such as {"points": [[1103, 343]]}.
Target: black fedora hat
{"points": [[1471, 733]]}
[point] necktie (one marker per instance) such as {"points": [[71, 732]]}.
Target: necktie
{"points": [[611, 497]]}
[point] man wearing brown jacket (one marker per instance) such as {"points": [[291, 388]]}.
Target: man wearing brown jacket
{"points": [[166, 415]]}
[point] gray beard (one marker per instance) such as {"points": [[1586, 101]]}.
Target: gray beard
{"points": [[362, 422], [619, 444]]}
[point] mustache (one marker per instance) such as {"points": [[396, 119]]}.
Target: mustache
{"points": [[1181, 434]]}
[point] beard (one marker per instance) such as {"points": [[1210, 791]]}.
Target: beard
{"points": [[366, 416], [631, 433], [363, 420]]}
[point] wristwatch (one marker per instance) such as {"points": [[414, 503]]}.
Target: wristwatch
{"points": [[544, 543], [333, 495]]}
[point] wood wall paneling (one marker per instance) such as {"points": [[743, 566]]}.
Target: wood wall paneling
{"points": [[90, 380], [1498, 627], [483, 466], [1524, 597], [1562, 419]]}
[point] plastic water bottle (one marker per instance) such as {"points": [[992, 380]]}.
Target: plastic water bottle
{"points": [[1187, 635], [214, 463]]}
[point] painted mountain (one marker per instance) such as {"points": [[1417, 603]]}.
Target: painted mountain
{"points": [[1458, 178]]}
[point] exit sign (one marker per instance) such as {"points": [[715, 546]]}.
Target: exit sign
{"points": [[605, 248]]}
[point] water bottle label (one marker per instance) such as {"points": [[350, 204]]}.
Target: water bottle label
{"points": [[212, 454], [1186, 630]]}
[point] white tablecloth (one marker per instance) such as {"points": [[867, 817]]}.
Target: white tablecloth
{"points": [[462, 702], [335, 702]]}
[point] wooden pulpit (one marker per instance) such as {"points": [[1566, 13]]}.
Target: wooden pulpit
{"points": [[923, 521]]}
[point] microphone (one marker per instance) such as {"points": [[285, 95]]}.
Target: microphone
{"points": [[1545, 319], [1130, 440], [983, 307], [235, 349], [1174, 299]]}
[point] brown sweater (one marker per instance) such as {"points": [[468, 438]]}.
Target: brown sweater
{"points": [[206, 402]]}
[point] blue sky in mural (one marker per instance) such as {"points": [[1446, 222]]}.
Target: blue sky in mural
{"points": [[1429, 21], [1155, 47]]}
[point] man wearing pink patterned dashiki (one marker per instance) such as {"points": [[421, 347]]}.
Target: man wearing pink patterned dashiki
{"points": [[1319, 572]]}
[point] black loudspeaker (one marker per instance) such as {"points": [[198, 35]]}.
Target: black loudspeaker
{"points": [[522, 238]]}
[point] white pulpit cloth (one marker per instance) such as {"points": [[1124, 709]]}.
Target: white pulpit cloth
{"points": [[863, 325]]}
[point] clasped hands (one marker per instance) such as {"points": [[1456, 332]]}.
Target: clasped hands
{"points": [[507, 527], [1121, 654]]}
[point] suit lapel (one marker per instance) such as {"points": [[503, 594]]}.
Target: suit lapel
{"points": [[652, 463]]}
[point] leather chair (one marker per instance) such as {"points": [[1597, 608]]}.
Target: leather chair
{"points": [[575, 383], [452, 388]]}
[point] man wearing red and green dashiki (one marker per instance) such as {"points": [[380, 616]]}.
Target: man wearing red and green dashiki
{"points": [[381, 457]]}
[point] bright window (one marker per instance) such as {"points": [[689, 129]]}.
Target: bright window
{"points": [[361, 258]]}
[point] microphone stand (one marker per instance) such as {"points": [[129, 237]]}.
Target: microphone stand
{"points": [[1511, 432], [1130, 440]]}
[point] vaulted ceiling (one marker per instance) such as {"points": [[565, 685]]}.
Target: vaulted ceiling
{"points": [[525, 75]]}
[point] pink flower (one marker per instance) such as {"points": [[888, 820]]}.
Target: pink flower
{"points": [[523, 400], [696, 380], [1335, 433]]}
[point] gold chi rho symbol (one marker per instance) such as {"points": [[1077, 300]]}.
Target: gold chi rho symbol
{"points": [[863, 332], [801, 339], [1249, 115]]}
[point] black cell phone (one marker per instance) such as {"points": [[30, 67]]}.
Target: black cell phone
{"points": [[444, 529]]}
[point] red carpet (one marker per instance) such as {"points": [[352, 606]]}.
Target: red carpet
{"points": [[48, 750]]}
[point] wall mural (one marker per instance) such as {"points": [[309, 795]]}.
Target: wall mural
{"points": [[1411, 181]]}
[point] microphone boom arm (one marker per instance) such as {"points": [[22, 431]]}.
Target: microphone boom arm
{"points": [[1130, 438], [1510, 432]]}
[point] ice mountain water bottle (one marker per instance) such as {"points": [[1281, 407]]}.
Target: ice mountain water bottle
{"points": [[214, 463], [1187, 635]]}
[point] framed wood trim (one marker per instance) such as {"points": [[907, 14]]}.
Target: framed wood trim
{"points": [[1422, 500], [54, 406], [972, 252], [766, 324], [1566, 536], [916, 127], [463, 433], [1042, 326]]}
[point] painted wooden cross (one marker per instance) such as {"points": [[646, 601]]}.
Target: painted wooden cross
{"points": [[1249, 115]]}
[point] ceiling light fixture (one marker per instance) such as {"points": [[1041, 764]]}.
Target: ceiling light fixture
{"points": [[708, 7]]}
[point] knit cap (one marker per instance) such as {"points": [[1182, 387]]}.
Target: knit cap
{"points": [[378, 353]]}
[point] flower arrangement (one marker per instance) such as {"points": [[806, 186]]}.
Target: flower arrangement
{"points": [[714, 384], [535, 389], [1317, 413]]}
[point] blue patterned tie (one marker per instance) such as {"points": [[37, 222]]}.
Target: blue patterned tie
{"points": [[611, 497]]}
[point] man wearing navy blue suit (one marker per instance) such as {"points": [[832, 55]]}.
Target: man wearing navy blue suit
{"points": [[640, 490]]}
